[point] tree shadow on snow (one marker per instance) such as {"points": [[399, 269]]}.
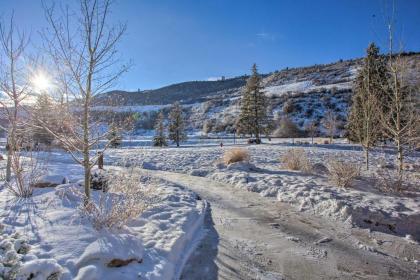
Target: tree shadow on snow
{"points": [[202, 263]]}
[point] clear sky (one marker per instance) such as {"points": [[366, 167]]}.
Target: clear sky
{"points": [[172, 41]]}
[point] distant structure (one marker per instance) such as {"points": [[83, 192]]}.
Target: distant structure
{"points": [[223, 78]]}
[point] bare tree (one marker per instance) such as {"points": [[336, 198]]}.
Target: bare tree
{"points": [[312, 129], [287, 129], [84, 46], [330, 124], [401, 117], [14, 84]]}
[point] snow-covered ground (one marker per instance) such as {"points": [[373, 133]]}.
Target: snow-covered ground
{"points": [[46, 234], [363, 205], [58, 241]]}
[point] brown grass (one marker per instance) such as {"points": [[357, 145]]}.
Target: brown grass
{"points": [[235, 155], [126, 199], [296, 159], [342, 173]]}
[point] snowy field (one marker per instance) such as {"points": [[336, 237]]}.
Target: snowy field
{"points": [[46, 234], [363, 205]]}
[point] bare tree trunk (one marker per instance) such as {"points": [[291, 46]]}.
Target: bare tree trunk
{"points": [[9, 162], [367, 157], [400, 156]]}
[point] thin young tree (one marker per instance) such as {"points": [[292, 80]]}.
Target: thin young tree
{"points": [[85, 47], [363, 121], [330, 124], [401, 116], [254, 118], [159, 139], [176, 124], [311, 129], [14, 83]]}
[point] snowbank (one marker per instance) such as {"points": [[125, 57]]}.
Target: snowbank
{"points": [[153, 246]]}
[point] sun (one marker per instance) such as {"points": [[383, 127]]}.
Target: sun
{"points": [[41, 82]]}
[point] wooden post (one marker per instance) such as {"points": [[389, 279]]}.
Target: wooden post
{"points": [[100, 160]]}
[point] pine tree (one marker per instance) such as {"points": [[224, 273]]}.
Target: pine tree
{"points": [[159, 140], [177, 124], [43, 113], [254, 118], [368, 100], [114, 137]]}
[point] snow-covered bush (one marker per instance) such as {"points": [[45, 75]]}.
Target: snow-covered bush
{"points": [[388, 180], [342, 174], [126, 198], [296, 159], [26, 174], [235, 155]]}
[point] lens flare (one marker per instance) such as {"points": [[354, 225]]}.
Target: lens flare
{"points": [[41, 82]]}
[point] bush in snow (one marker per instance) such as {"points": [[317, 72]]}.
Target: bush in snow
{"points": [[26, 174], [342, 174], [388, 180], [127, 197], [296, 159], [235, 155]]}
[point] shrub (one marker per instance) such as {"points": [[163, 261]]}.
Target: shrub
{"points": [[128, 196], [296, 159], [235, 155], [388, 180], [342, 173]]}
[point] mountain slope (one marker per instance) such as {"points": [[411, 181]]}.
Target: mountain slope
{"points": [[311, 91]]}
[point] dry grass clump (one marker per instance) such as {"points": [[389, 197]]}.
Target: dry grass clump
{"points": [[235, 155], [342, 173], [127, 197], [296, 159]]}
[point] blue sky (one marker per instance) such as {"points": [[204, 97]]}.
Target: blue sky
{"points": [[173, 41]]}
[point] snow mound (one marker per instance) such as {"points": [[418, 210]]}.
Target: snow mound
{"points": [[110, 247], [52, 180], [242, 166], [39, 269]]}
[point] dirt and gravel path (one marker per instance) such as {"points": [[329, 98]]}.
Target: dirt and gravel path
{"points": [[252, 237]]}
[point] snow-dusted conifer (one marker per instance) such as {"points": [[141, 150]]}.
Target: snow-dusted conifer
{"points": [[159, 140], [177, 124], [254, 118], [368, 100]]}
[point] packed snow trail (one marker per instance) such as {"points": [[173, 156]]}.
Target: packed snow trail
{"points": [[252, 237]]}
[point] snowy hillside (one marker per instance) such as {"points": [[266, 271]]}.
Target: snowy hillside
{"points": [[310, 91]]}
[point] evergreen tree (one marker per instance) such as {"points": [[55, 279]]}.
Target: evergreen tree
{"points": [[114, 137], [254, 118], [177, 124], [368, 100], [43, 114], [159, 140]]}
